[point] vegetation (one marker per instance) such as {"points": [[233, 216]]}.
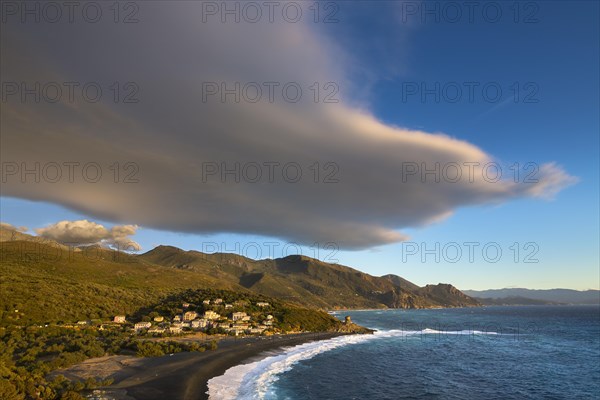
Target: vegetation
{"points": [[45, 282], [309, 282], [300, 319], [29, 354], [42, 283], [157, 349]]}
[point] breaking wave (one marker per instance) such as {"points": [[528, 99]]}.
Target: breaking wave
{"points": [[254, 380]]}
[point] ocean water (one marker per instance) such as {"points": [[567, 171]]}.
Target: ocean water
{"points": [[538, 352]]}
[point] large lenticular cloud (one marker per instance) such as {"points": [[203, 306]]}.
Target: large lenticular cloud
{"points": [[307, 171]]}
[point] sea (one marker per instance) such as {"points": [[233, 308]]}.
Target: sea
{"points": [[524, 352]]}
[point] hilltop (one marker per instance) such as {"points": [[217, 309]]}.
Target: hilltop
{"points": [[310, 282]]}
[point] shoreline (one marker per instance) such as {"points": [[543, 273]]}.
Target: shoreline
{"points": [[185, 375]]}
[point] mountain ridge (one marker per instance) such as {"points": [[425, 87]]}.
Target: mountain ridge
{"points": [[38, 271], [310, 281]]}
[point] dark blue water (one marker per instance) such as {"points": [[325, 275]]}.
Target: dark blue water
{"points": [[540, 352]]}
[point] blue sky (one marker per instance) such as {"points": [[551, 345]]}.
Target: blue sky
{"points": [[559, 54], [554, 61]]}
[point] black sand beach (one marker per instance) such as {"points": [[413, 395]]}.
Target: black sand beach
{"points": [[185, 375]]}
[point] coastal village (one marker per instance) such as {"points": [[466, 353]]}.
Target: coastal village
{"points": [[213, 316]]}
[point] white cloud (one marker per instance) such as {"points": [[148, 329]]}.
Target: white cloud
{"points": [[84, 232], [170, 135]]}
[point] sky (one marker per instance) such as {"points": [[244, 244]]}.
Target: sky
{"points": [[506, 94]]}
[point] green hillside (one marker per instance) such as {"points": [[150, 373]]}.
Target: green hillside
{"points": [[44, 281], [310, 282], [41, 282]]}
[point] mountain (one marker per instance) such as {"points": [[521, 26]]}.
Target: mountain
{"points": [[10, 235], [46, 281], [311, 282], [548, 296], [447, 295], [401, 282], [515, 301]]}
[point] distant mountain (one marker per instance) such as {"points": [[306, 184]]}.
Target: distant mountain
{"points": [[515, 301], [445, 294], [530, 296]]}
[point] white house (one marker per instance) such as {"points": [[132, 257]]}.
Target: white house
{"points": [[142, 325], [238, 316], [190, 315], [211, 315], [119, 319]]}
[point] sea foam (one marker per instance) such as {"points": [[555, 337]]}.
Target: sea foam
{"points": [[254, 380]]}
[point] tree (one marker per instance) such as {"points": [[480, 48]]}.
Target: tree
{"points": [[8, 391], [71, 395]]}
